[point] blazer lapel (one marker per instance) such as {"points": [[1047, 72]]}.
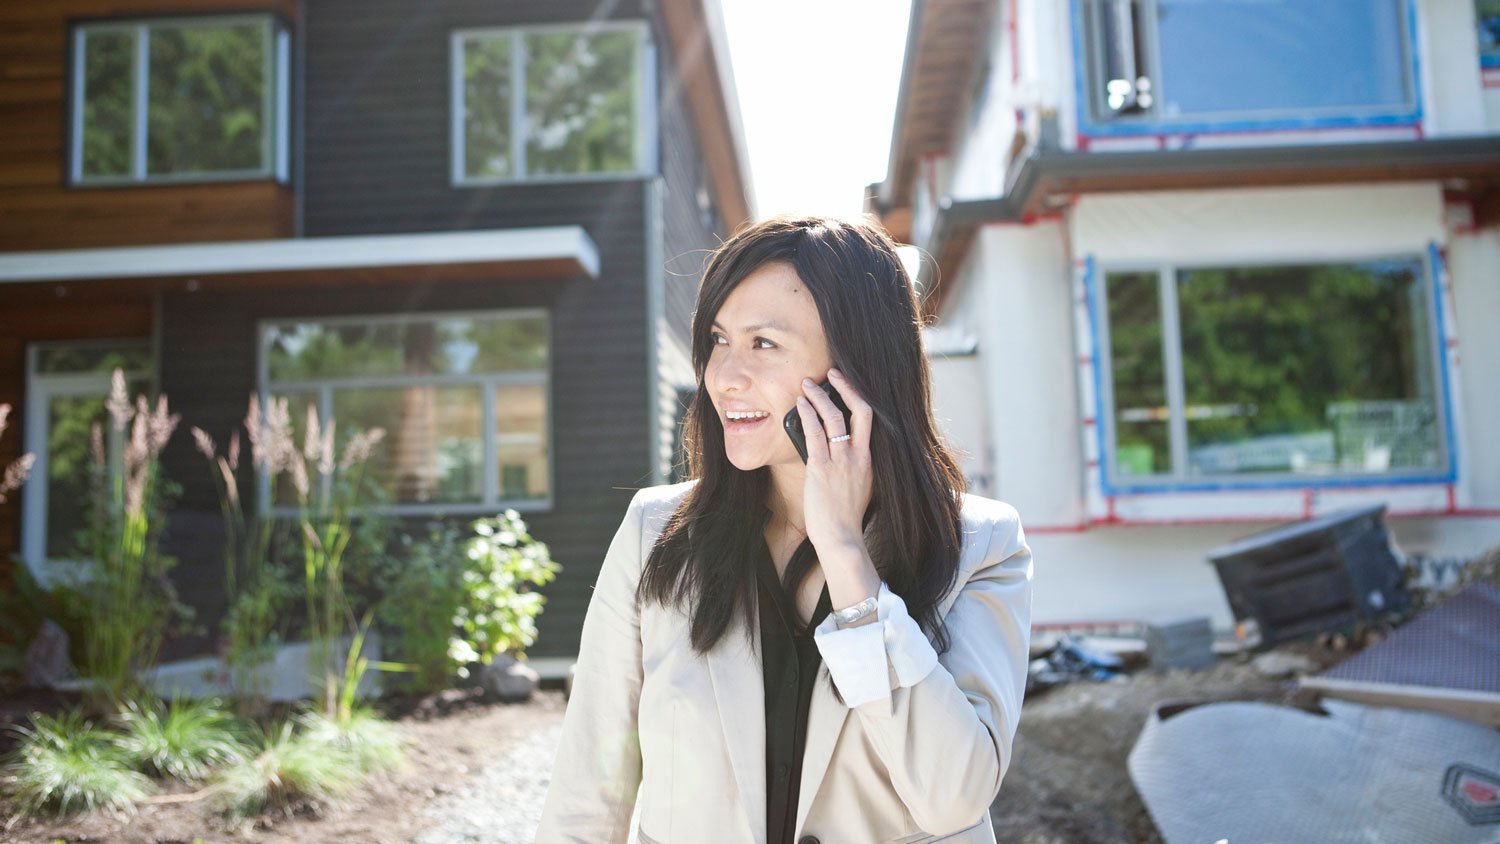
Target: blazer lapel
{"points": [[740, 695], [825, 722]]}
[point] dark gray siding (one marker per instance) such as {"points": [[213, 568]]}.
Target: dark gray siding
{"points": [[377, 121]]}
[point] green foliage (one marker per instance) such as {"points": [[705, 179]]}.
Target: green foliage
{"points": [[372, 742], [424, 594], [129, 599], [498, 613], [287, 765], [65, 765], [184, 739]]}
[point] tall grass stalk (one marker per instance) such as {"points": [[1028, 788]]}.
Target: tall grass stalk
{"points": [[14, 474], [130, 601], [65, 765], [253, 590]]}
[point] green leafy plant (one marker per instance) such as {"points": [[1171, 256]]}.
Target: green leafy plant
{"points": [[130, 601], [65, 764], [184, 739], [285, 766], [498, 612], [373, 743], [425, 577]]}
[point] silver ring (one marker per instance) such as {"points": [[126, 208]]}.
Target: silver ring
{"points": [[841, 439]]}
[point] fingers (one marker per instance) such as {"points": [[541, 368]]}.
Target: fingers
{"points": [[860, 414], [832, 417], [812, 431]]}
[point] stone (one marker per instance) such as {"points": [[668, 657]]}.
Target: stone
{"points": [[1275, 664], [507, 680], [47, 664]]}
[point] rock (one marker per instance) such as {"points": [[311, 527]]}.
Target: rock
{"points": [[47, 664], [1276, 664], [507, 680]]}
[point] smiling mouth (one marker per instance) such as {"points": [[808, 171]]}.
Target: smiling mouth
{"points": [[736, 421]]}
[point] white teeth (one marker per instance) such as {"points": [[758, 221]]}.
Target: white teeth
{"points": [[738, 415]]}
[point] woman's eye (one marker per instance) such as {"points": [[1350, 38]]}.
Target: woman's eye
{"points": [[763, 343], [717, 338]]}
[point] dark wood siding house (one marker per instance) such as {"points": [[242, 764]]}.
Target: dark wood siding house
{"points": [[495, 211]]}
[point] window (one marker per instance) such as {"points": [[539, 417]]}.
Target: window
{"points": [[462, 397], [66, 388], [1171, 63], [551, 102], [175, 99], [1250, 373], [1487, 16]]}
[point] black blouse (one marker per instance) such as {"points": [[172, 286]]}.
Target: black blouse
{"points": [[790, 662]]}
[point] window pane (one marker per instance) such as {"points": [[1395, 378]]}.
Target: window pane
{"points": [[1487, 15], [108, 102], [207, 92], [487, 102], [580, 102], [434, 440], [521, 441], [1141, 439], [461, 346], [63, 359], [1308, 369], [1254, 55]]}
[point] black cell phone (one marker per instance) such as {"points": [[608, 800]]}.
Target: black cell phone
{"points": [[793, 421]]}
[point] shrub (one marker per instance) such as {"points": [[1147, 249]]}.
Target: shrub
{"points": [[373, 743], [66, 764], [425, 590], [184, 739], [499, 610], [286, 766]]}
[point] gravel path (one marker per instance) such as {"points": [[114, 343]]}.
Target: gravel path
{"points": [[502, 803]]}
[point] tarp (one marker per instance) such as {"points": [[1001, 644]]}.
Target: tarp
{"points": [[1255, 773]]}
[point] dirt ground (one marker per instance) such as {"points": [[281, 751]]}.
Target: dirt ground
{"points": [[1067, 783], [452, 736]]}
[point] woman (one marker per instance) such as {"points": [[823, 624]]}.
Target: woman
{"points": [[779, 652]]}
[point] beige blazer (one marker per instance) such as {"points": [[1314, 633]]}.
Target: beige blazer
{"points": [[663, 746]]}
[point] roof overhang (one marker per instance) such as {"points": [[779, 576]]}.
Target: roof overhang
{"points": [[944, 39], [529, 253], [696, 30], [1048, 178]]}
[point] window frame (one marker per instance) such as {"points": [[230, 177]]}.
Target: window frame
{"points": [[275, 100], [1177, 479], [1094, 121], [645, 111], [493, 500]]}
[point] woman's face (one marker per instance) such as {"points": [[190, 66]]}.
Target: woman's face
{"points": [[767, 338]]}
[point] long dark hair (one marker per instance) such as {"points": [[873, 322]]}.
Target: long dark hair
{"points": [[703, 561]]}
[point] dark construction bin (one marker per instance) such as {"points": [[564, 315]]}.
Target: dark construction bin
{"points": [[1321, 574]]}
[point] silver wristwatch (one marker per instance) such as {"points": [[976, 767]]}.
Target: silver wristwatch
{"points": [[849, 615]]}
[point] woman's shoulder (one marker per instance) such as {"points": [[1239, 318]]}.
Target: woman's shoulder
{"points": [[992, 529], [655, 504]]}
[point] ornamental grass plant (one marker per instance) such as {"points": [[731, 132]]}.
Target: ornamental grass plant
{"points": [[286, 765], [65, 764], [184, 739]]}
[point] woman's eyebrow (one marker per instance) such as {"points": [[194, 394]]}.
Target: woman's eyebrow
{"points": [[773, 324]]}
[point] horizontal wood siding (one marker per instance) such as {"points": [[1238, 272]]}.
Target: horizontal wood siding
{"points": [[38, 210]]}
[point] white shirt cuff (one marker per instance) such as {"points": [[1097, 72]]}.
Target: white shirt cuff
{"points": [[862, 659]]}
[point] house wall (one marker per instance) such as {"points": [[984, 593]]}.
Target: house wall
{"points": [[40, 210]]}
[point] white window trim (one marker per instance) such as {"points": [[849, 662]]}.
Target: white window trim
{"points": [[645, 141], [275, 105], [1178, 480], [487, 382], [1098, 112], [40, 389]]}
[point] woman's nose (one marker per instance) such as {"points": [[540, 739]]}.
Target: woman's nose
{"points": [[727, 373]]}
